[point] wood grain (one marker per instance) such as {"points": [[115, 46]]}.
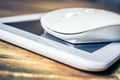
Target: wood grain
{"points": [[19, 64]]}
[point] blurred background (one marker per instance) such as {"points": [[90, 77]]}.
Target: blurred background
{"points": [[16, 7]]}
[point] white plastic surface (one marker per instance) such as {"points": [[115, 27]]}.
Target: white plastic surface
{"points": [[76, 25]]}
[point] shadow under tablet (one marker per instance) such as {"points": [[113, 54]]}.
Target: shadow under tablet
{"points": [[36, 28]]}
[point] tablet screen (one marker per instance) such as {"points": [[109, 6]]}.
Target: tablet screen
{"points": [[29, 26], [36, 28]]}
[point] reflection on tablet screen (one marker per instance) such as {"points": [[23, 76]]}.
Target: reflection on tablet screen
{"points": [[36, 28]]}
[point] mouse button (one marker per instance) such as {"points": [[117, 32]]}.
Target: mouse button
{"points": [[78, 24], [70, 26], [52, 17], [55, 16], [81, 23]]}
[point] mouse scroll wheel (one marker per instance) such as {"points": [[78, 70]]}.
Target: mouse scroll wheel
{"points": [[71, 14]]}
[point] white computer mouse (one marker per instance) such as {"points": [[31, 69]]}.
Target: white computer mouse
{"points": [[82, 25]]}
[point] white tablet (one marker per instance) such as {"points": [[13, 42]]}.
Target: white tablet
{"points": [[27, 32]]}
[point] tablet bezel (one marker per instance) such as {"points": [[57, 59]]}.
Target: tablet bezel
{"points": [[100, 59]]}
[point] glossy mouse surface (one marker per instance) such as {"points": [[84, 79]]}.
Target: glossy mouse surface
{"points": [[83, 25]]}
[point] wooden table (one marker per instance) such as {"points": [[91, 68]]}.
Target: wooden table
{"points": [[17, 63]]}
